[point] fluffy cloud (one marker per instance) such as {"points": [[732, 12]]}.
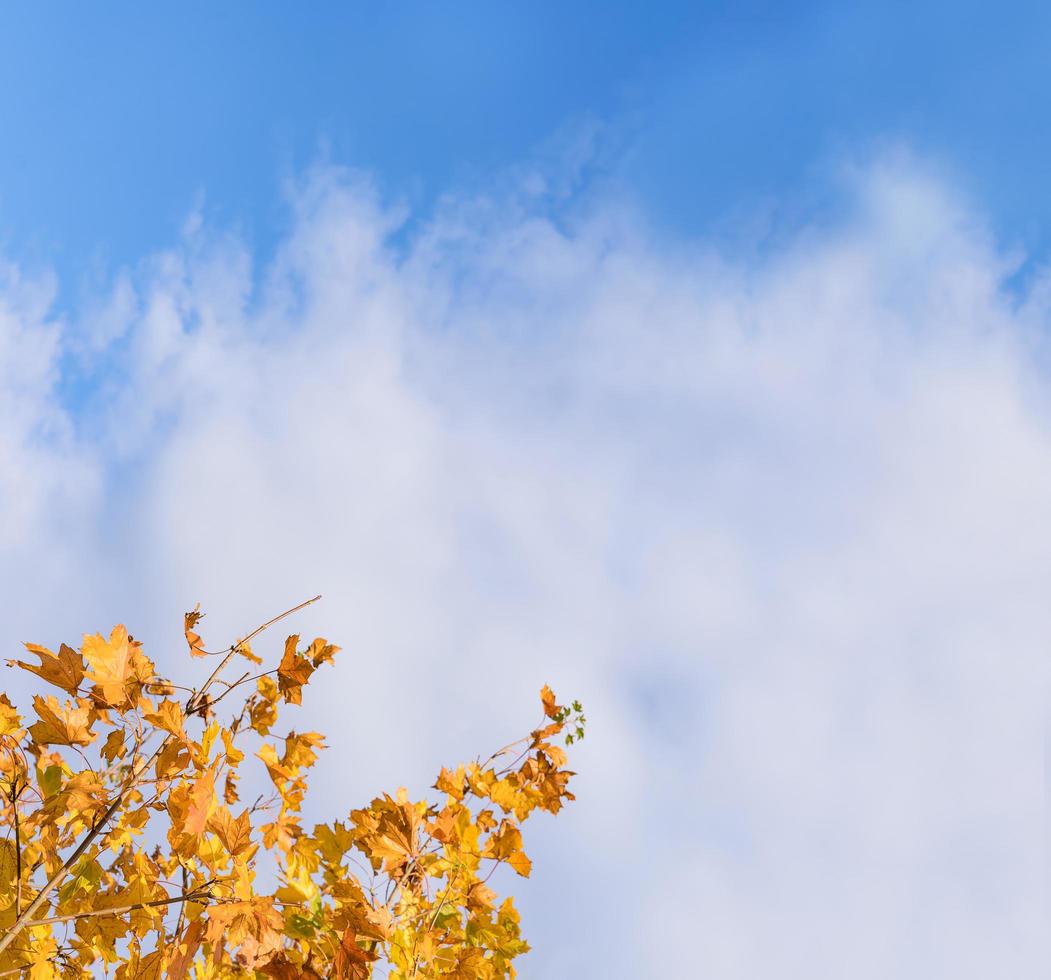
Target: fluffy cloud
{"points": [[781, 523]]}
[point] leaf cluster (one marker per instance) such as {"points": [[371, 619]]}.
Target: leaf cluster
{"points": [[128, 850]]}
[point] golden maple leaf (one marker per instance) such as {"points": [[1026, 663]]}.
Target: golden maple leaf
{"points": [[68, 724], [110, 662], [65, 671]]}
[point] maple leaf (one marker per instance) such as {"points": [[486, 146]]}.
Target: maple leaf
{"points": [[65, 671], [351, 962], [245, 650], [282, 833], [10, 722], [282, 968], [279, 775], [520, 863], [68, 724], [114, 746], [234, 833], [395, 839], [547, 696], [480, 897], [149, 967], [293, 672], [321, 652], [168, 718], [193, 639], [451, 782], [230, 796], [202, 797], [253, 925], [299, 750], [111, 664], [85, 794], [504, 842], [173, 759], [262, 708]]}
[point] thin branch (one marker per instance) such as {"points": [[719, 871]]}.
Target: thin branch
{"points": [[251, 636], [18, 849], [121, 909], [233, 684], [199, 700], [505, 749], [182, 908], [244, 679]]}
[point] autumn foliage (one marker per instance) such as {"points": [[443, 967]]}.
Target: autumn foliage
{"points": [[129, 852]]}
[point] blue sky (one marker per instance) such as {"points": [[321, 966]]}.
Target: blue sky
{"points": [[117, 121], [691, 358]]}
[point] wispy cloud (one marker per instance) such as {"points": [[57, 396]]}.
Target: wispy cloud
{"points": [[781, 524]]}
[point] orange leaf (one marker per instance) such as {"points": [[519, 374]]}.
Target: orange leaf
{"points": [[351, 962], [168, 717], [235, 833], [193, 639], [186, 950], [111, 664], [65, 671], [520, 863], [61, 725], [293, 672], [201, 798]]}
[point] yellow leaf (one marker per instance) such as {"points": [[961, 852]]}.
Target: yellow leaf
{"points": [[111, 664], [59, 724], [10, 722], [504, 794], [114, 747], [233, 754], [262, 712], [202, 797], [169, 718], [245, 650], [451, 782], [520, 863], [299, 750], [235, 833], [321, 652], [282, 833], [174, 758]]}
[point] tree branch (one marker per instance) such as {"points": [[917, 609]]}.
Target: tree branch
{"points": [[121, 909], [18, 848], [197, 700]]}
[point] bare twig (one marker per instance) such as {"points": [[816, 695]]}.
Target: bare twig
{"points": [[182, 908], [197, 700]]}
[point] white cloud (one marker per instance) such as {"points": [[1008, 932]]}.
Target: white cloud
{"points": [[782, 525]]}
